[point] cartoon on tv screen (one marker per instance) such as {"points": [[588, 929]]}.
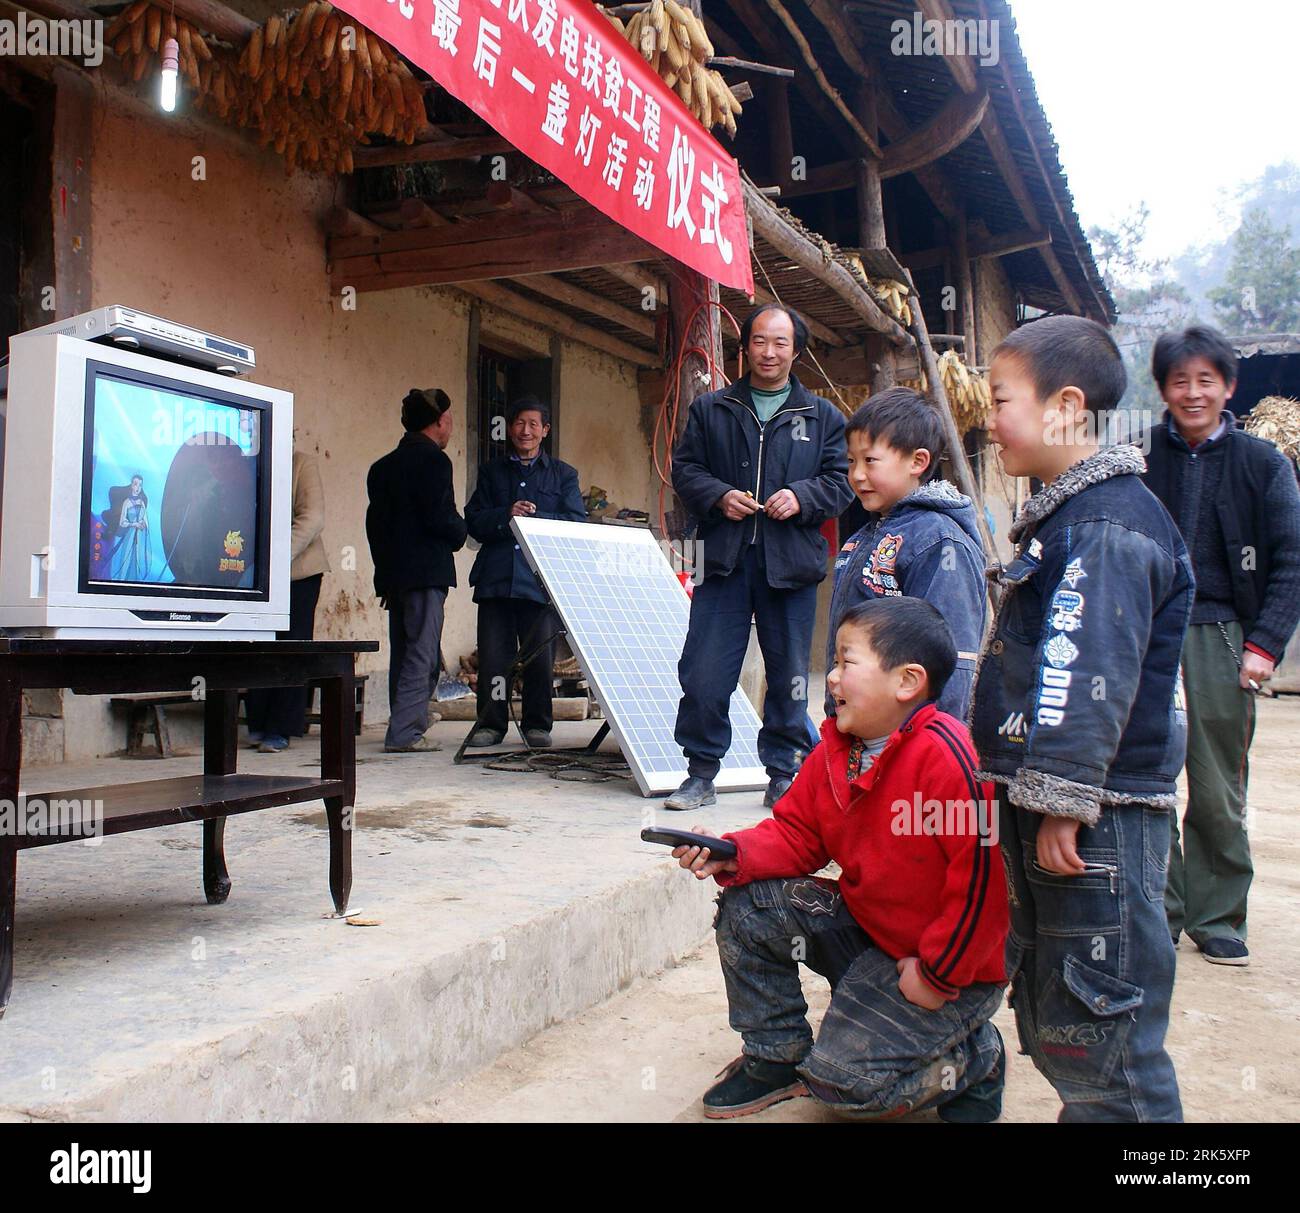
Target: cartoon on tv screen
{"points": [[173, 489]]}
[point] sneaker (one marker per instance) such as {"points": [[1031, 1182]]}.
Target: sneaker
{"points": [[273, 744], [1225, 950], [254, 739], [537, 739], [421, 745], [694, 793], [750, 1084], [981, 1102], [776, 788], [485, 739]]}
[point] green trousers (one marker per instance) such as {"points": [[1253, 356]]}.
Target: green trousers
{"points": [[1210, 873]]}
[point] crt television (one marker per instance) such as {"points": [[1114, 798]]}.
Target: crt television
{"points": [[142, 498]]}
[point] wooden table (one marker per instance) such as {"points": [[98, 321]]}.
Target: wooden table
{"points": [[213, 672]]}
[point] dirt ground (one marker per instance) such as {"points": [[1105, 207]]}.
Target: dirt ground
{"points": [[648, 1054]]}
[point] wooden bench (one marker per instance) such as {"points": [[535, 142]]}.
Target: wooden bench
{"points": [[129, 668], [147, 714]]}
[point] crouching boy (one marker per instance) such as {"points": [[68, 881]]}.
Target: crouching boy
{"points": [[910, 937], [1075, 719]]}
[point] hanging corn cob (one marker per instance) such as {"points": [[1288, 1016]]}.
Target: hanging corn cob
{"points": [[673, 41], [310, 91], [968, 393]]}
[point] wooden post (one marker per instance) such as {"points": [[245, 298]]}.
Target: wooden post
{"points": [[956, 451], [871, 210], [780, 129], [965, 291], [688, 291]]}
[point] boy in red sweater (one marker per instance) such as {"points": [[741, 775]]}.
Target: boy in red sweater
{"points": [[911, 937]]}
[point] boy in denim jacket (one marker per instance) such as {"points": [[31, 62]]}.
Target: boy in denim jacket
{"points": [[1075, 719]]}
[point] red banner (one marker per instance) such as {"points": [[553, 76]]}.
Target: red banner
{"points": [[559, 82]]}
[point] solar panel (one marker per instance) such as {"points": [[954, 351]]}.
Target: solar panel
{"points": [[626, 615]]}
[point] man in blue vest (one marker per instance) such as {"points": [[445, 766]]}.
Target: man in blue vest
{"points": [[513, 609], [760, 467], [1235, 500]]}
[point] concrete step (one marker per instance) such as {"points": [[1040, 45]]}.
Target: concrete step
{"points": [[506, 903]]}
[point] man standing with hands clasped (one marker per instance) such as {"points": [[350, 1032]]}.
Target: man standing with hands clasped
{"points": [[513, 609], [761, 465]]}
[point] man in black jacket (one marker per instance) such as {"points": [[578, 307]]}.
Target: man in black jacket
{"points": [[413, 529], [1235, 500], [512, 606], [761, 465]]}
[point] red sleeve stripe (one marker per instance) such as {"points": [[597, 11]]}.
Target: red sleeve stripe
{"points": [[981, 868]]}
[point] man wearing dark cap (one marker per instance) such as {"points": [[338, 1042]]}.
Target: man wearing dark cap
{"points": [[512, 606], [414, 529]]}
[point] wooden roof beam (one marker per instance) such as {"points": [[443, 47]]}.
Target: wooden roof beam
{"points": [[484, 248], [963, 70], [992, 246], [589, 301], [860, 132], [547, 317], [428, 153], [772, 227], [759, 25]]}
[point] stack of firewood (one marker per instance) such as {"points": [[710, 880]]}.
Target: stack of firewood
{"points": [[313, 83], [672, 40]]}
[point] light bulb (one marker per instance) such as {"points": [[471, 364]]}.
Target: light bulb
{"points": [[171, 55]]}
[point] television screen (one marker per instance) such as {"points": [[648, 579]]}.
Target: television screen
{"points": [[173, 495]]}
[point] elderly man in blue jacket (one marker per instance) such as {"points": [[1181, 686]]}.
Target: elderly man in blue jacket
{"points": [[513, 609], [760, 467]]}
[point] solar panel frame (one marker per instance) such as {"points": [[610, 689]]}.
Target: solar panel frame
{"points": [[631, 592]]}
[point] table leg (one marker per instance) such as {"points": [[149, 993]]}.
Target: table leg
{"points": [[216, 880], [220, 732], [338, 760], [8, 887], [11, 761], [220, 753]]}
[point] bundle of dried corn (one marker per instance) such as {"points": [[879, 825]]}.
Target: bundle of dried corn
{"points": [[137, 35], [313, 82], [891, 295], [1277, 419], [672, 40], [968, 393]]}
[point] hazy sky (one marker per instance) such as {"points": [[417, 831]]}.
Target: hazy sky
{"points": [[1171, 102]]}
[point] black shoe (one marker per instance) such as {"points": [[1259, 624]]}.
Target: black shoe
{"points": [[1225, 950], [694, 793], [537, 739], [485, 739], [1175, 936], [749, 1085], [777, 787], [981, 1102]]}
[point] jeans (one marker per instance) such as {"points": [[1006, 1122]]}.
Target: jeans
{"points": [[880, 1054], [415, 653], [1092, 965], [504, 626], [712, 657], [1210, 874]]}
